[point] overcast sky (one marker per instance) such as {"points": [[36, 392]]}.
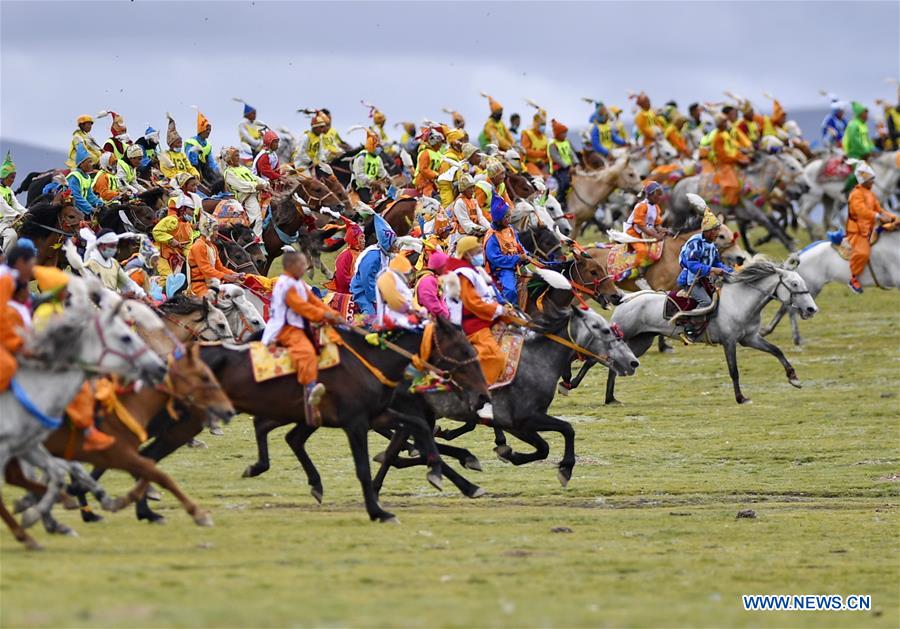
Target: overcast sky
{"points": [[61, 59]]}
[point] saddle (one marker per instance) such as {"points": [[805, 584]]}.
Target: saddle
{"points": [[273, 361], [511, 341], [620, 258], [835, 169], [678, 307], [228, 212]]}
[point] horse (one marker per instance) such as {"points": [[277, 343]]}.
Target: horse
{"points": [[357, 398], [48, 225], [189, 382], [590, 189], [34, 183], [399, 214], [558, 335], [657, 153], [820, 263], [236, 236], [736, 321], [760, 179], [189, 318], [828, 192], [74, 343], [243, 317], [528, 211]]}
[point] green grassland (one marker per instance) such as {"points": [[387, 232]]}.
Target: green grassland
{"points": [[650, 535]]}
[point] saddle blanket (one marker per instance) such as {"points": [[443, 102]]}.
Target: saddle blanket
{"points": [[676, 302], [511, 344], [228, 212], [835, 169], [620, 258], [274, 361]]}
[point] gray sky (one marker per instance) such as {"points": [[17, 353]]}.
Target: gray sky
{"points": [[411, 59]]}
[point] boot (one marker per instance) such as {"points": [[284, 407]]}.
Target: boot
{"points": [[312, 397], [94, 440], [855, 286]]}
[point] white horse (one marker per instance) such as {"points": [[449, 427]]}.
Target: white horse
{"points": [[820, 264], [642, 316], [243, 317], [79, 342]]}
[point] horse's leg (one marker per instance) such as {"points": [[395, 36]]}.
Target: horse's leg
{"points": [[795, 329], [450, 435], [261, 428], [423, 436], [730, 348], [173, 437], [465, 457], [15, 476], [296, 439], [527, 434], [664, 347], [590, 362], [639, 346], [756, 215], [357, 429], [82, 478], [18, 532], [744, 227], [757, 342], [56, 474], [545, 422], [775, 321], [147, 470], [397, 441]]}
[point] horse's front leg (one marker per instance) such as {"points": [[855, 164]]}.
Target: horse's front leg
{"points": [[357, 430], [731, 358], [775, 321], [757, 342]]}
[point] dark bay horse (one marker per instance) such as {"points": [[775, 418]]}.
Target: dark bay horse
{"points": [[356, 399], [48, 225], [399, 214]]}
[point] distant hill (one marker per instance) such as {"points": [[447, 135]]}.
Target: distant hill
{"points": [[31, 157]]}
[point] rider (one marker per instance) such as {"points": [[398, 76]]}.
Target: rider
{"points": [[428, 293], [645, 222], [725, 155], [199, 149], [454, 154], [82, 135], [561, 158], [503, 252], [80, 182], [245, 186], [265, 164], [863, 210], [149, 143], [480, 309], [105, 183], [53, 283], [175, 232], [100, 259], [250, 131], [700, 261], [294, 307], [126, 170], [468, 217], [15, 274], [394, 306], [369, 264], [604, 136], [495, 131], [369, 174], [321, 144], [534, 141], [428, 162], [118, 140], [834, 126], [857, 142], [141, 268], [10, 208], [174, 161], [203, 259], [647, 122]]}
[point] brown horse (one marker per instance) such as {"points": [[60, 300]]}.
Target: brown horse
{"points": [[399, 214], [590, 189], [190, 382], [48, 225], [356, 399]]}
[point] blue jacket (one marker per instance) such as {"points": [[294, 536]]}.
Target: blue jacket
{"points": [[595, 139], [697, 258], [833, 130], [85, 204], [193, 155], [496, 258], [362, 286]]}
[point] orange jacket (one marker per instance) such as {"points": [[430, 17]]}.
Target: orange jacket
{"points": [[863, 209], [674, 137], [202, 270], [721, 147], [312, 308], [424, 172], [645, 121], [101, 187]]}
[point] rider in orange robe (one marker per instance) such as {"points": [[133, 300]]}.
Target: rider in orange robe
{"points": [[864, 209], [726, 157]]}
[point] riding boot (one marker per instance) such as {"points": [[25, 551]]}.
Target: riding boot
{"points": [[312, 397], [94, 440]]}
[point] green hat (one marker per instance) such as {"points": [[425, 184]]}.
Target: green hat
{"points": [[858, 108], [8, 167]]}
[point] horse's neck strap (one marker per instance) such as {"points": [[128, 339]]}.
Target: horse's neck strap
{"points": [[581, 351], [375, 371]]}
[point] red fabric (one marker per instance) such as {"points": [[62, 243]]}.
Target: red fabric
{"points": [[265, 168], [343, 270]]}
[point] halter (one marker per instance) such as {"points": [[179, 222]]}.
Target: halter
{"points": [[168, 388], [196, 333], [580, 285], [245, 322], [283, 236], [106, 349], [231, 264], [773, 294]]}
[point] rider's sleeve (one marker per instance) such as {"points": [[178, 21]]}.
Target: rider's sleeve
{"points": [[691, 259], [389, 293], [595, 142], [312, 309], [496, 257]]}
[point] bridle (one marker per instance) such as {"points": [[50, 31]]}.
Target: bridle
{"points": [[773, 294], [455, 364], [106, 349], [245, 322], [196, 333], [230, 262]]}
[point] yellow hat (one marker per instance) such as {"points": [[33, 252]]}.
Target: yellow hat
{"points": [[494, 105], [455, 135], [50, 278], [710, 221], [466, 244], [400, 264]]}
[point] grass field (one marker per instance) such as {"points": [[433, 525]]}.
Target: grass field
{"points": [[651, 508]]}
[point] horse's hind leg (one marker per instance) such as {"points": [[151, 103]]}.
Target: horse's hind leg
{"points": [[357, 429], [464, 456], [18, 532], [757, 342], [56, 474], [795, 329], [730, 349], [775, 321], [664, 347], [744, 228], [296, 439], [545, 422], [398, 440], [261, 429], [147, 470]]}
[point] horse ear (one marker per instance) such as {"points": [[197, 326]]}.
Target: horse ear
{"points": [[721, 218]]}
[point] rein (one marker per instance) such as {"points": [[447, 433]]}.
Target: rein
{"points": [[581, 351], [197, 335]]}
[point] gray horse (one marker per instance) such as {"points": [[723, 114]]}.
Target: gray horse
{"points": [[520, 408], [79, 342], [641, 317]]}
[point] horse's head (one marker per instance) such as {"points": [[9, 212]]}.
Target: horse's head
{"points": [[216, 326], [520, 185], [453, 353], [109, 345], [793, 292], [661, 151], [594, 333], [627, 178], [729, 249], [541, 241], [590, 271], [191, 382], [245, 319], [69, 216], [318, 195]]}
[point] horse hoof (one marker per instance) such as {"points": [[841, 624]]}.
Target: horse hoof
{"points": [[666, 349], [32, 544], [388, 518], [203, 519], [114, 504], [254, 470], [478, 492], [564, 475], [504, 453], [472, 463], [379, 458], [744, 400], [30, 516], [88, 516], [153, 494], [436, 480], [317, 492], [413, 453], [613, 402], [795, 383], [157, 520], [564, 391]]}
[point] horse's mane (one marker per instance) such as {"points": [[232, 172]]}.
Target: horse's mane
{"points": [[552, 319], [59, 342], [152, 196], [38, 218], [182, 304], [757, 269]]}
